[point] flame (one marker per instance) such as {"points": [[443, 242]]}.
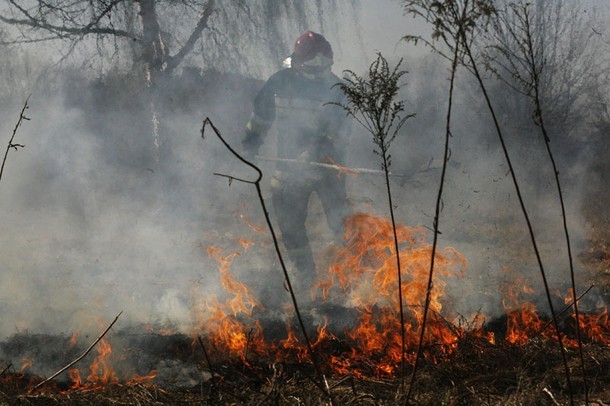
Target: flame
{"points": [[245, 244], [476, 328], [363, 271], [242, 300], [74, 339], [240, 214], [139, 379], [25, 364], [362, 274], [341, 170], [101, 372], [596, 327], [291, 346], [220, 318], [77, 382], [523, 321], [160, 331]]}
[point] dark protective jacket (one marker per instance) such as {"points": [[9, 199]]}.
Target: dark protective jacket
{"points": [[308, 126], [305, 119]]}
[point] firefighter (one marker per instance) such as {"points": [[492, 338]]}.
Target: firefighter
{"points": [[310, 128]]}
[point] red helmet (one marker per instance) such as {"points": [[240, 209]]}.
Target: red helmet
{"points": [[307, 47]]}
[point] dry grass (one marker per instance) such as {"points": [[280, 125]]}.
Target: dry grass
{"points": [[478, 373]]}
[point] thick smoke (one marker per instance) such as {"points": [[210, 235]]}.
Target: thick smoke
{"points": [[95, 218]]}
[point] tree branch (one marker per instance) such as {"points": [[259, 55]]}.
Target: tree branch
{"points": [[10, 145], [59, 30], [188, 46]]}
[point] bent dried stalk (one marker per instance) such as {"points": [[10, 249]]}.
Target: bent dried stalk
{"points": [[207, 122]]}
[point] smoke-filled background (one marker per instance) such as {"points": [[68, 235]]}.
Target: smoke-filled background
{"points": [[113, 201]]}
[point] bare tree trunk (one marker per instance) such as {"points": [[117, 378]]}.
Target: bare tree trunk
{"points": [[154, 60], [154, 51]]}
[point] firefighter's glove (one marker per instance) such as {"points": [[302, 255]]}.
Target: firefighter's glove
{"points": [[251, 144]]}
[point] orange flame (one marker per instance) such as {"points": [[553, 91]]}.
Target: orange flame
{"points": [[596, 327], [365, 269], [101, 372], [25, 364], [240, 214], [242, 300], [139, 379], [75, 378], [363, 274], [220, 317], [245, 244], [74, 339], [523, 321], [160, 331]]}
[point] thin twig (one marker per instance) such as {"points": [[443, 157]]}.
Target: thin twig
{"points": [[565, 226], [81, 357], [340, 381], [277, 372], [6, 369], [248, 337], [548, 392], [532, 58], [205, 354], [439, 200], [207, 359], [398, 270], [473, 65], [10, 145], [565, 309], [454, 23]]}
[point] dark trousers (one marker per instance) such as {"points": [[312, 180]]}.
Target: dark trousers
{"points": [[290, 199]]}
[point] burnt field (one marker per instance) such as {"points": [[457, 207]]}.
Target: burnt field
{"points": [[174, 370]]}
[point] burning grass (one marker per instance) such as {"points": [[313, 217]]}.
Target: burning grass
{"points": [[237, 354], [477, 372]]}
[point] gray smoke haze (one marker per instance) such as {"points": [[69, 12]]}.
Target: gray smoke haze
{"points": [[93, 223]]}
